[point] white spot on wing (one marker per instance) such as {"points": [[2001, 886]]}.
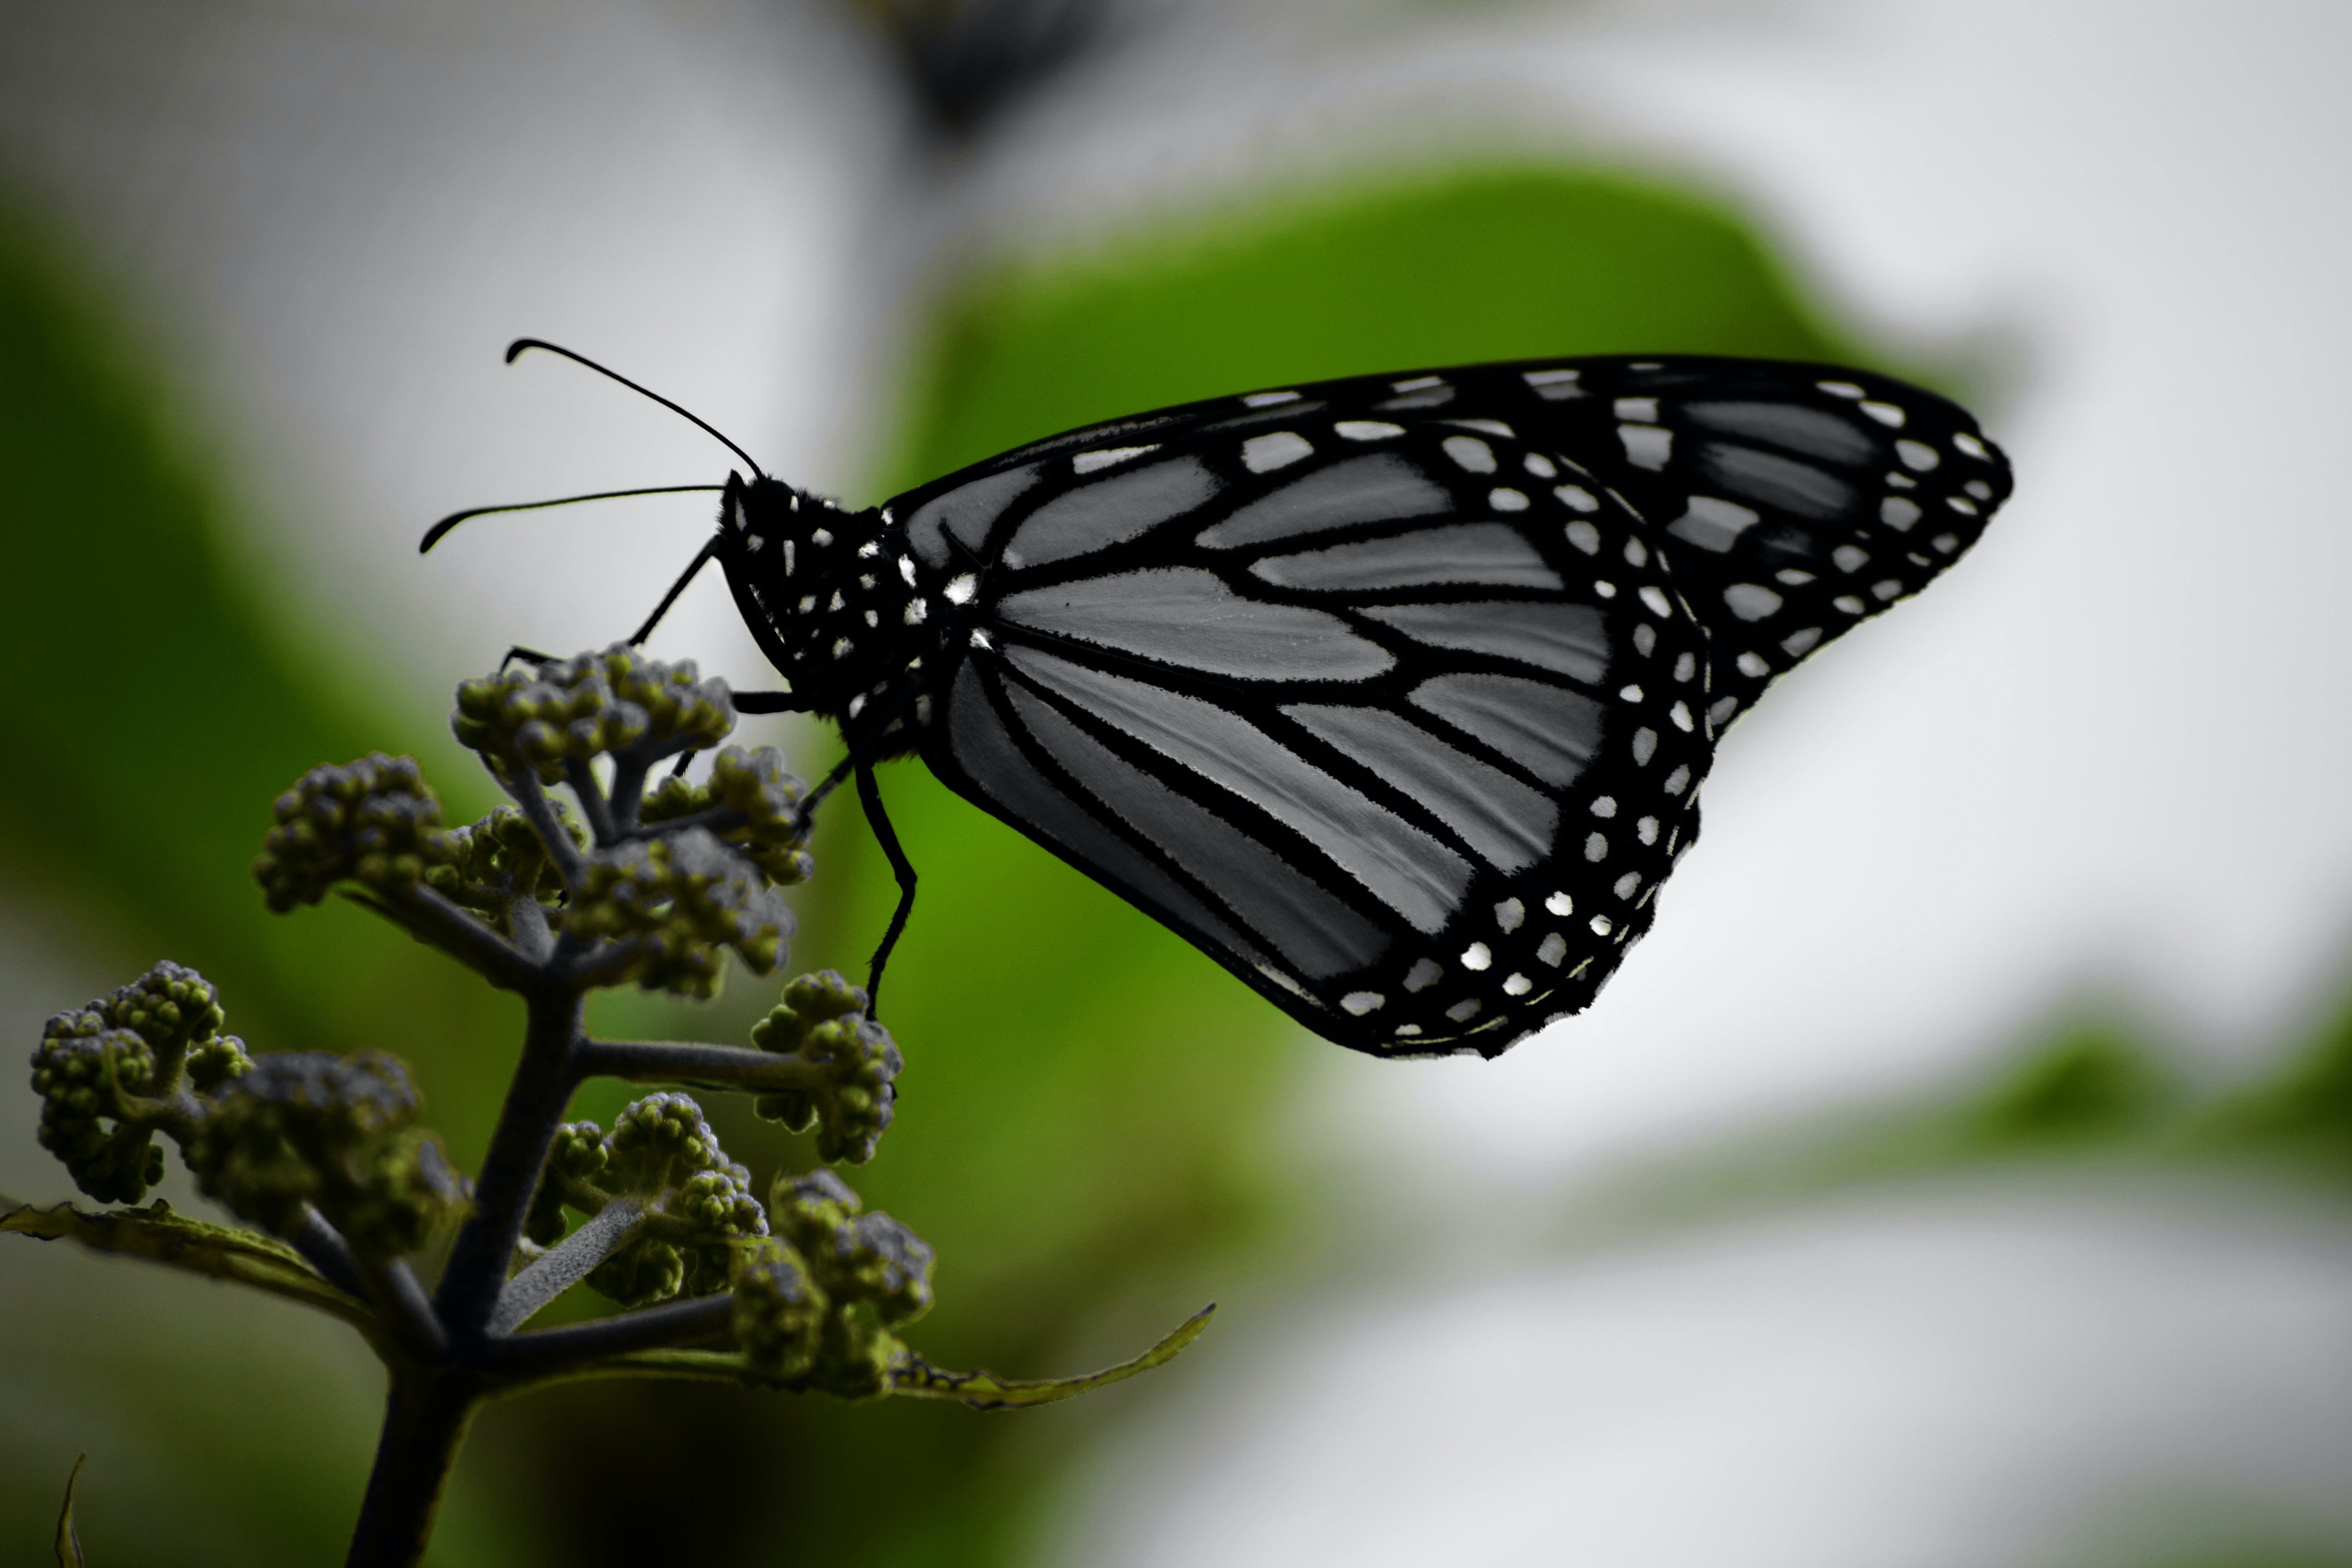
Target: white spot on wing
{"points": [[1712, 523], [1361, 1002], [1970, 445], [1578, 497], [1092, 462], [1839, 388], [1503, 499], [1471, 452], [1646, 445], [1916, 455], [1751, 601], [1552, 949], [1640, 410], [1261, 453], [1509, 914], [1886, 414], [1476, 956], [1268, 399], [1367, 429], [1423, 973], [1561, 904]]}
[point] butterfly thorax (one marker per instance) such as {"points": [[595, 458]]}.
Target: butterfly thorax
{"points": [[851, 621]]}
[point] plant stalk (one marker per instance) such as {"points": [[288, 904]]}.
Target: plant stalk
{"points": [[426, 1416]]}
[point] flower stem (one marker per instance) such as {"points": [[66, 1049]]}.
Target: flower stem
{"points": [[425, 1420]]}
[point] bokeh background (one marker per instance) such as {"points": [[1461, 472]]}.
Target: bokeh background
{"points": [[1960, 1175]]}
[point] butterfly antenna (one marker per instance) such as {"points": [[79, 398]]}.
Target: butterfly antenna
{"points": [[515, 351], [433, 536]]}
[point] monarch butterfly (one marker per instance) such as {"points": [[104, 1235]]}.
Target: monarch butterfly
{"points": [[1392, 694]]}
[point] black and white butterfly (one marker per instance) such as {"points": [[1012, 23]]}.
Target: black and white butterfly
{"points": [[1392, 694]]}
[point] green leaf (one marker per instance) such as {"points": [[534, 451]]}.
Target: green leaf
{"points": [[912, 1376], [217, 1251], [69, 1543], [985, 1391]]}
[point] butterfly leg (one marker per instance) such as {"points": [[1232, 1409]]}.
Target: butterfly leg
{"points": [[694, 567], [869, 794], [527, 656]]}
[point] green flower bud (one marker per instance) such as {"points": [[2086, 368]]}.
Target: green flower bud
{"points": [[616, 701], [681, 900], [500, 859], [753, 782], [780, 1311], [81, 1070], [856, 1257], [820, 1021], [855, 1354], [662, 1153], [373, 822], [334, 1131]]}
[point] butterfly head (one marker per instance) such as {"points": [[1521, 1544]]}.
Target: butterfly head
{"points": [[836, 612]]}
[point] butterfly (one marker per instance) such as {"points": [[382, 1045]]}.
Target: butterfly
{"points": [[1392, 694]]}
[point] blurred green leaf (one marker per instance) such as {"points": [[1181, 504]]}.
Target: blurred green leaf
{"points": [[69, 1543], [214, 1251], [153, 720]]}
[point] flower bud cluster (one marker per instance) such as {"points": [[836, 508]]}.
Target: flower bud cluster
{"points": [[754, 785], [822, 1021], [499, 861], [821, 1301], [310, 1127], [662, 1155], [679, 899], [373, 821], [569, 710], [113, 1072]]}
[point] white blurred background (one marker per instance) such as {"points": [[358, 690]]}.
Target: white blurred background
{"points": [[2098, 770]]}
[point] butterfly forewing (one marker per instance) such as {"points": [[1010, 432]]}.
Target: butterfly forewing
{"points": [[1394, 694]]}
